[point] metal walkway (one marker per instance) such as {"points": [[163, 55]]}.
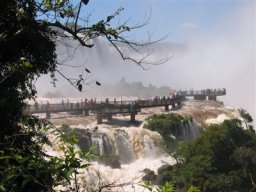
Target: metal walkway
{"points": [[109, 108]]}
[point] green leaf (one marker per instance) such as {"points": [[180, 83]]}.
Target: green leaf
{"points": [[109, 18], [67, 173], [193, 189], [62, 15], [5, 157], [27, 64], [80, 87], [146, 186], [85, 2], [2, 187], [85, 165]]}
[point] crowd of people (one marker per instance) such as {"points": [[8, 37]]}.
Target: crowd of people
{"points": [[203, 92], [131, 104]]}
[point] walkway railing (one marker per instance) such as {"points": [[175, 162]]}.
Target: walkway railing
{"points": [[115, 107], [102, 106], [205, 92]]}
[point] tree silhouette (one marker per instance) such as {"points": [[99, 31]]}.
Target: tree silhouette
{"points": [[29, 32]]}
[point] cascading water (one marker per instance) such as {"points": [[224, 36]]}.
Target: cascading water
{"points": [[124, 148], [134, 147], [98, 140], [90, 138], [149, 146], [189, 130], [127, 143]]}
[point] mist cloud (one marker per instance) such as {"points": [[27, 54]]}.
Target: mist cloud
{"points": [[221, 57]]}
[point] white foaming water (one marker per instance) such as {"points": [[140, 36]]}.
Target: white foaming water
{"points": [[136, 148], [218, 120], [124, 146], [149, 147], [129, 174], [98, 141], [127, 143]]}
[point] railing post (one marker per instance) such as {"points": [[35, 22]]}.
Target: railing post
{"points": [[212, 97], [109, 117], [86, 112], [199, 97], [133, 117], [48, 115], [99, 118]]}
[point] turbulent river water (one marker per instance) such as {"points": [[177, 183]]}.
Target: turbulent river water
{"points": [[134, 147]]}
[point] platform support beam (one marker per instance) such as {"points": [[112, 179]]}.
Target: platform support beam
{"points": [[99, 119], [48, 115], [133, 117], [86, 112], [200, 97], [212, 98], [109, 117]]}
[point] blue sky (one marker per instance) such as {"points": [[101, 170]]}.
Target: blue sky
{"points": [[219, 36], [173, 17]]}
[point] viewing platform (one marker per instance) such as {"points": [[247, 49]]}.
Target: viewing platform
{"points": [[109, 108], [205, 94], [103, 109]]}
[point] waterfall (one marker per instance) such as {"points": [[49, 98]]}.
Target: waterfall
{"points": [[97, 140], [102, 143], [88, 138], [124, 148], [189, 130], [194, 129], [149, 146], [128, 144]]}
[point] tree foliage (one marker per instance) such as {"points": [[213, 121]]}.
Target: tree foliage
{"points": [[222, 159], [170, 126], [24, 165], [166, 124], [247, 118], [29, 30]]}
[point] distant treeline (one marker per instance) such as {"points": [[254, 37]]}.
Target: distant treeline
{"points": [[122, 88], [136, 89]]}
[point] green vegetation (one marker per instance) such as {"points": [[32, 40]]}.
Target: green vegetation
{"points": [[83, 142], [170, 128], [29, 31], [247, 118], [164, 174], [26, 167], [149, 176], [222, 159], [167, 187]]}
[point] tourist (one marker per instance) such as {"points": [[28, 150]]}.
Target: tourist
{"points": [[63, 104], [47, 106], [67, 103], [36, 106]]}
